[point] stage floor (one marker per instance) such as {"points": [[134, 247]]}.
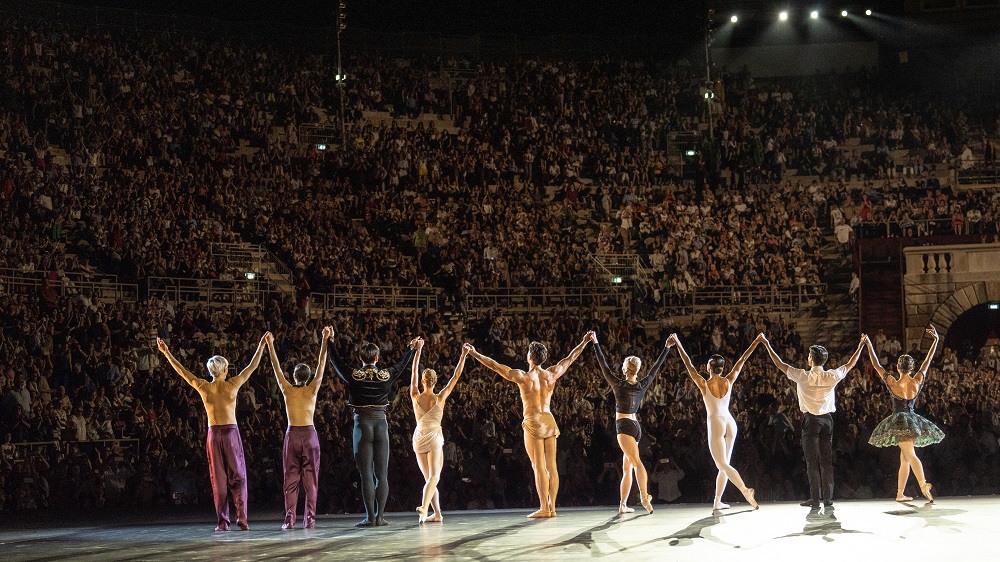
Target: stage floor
{"points": [[952, 529]]}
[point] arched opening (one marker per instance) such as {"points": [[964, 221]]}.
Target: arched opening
{"points": [[968, 334]]}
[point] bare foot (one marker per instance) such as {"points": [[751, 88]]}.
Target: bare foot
{"points": [[902, 498], [622, 508], [750, 499], [925, 488], [539, 514], [647, 502], [720, 505]]}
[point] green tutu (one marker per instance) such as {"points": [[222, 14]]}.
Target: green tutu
{"points": [[904, 426]]}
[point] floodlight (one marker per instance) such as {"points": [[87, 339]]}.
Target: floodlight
{"points": [[783, 16], [814, 14], [734, 19]]}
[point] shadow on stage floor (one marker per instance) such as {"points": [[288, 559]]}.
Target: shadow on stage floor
{"points": [[949, 530]]}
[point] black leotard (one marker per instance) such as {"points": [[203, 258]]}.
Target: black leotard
{"points": [[628, 397]]}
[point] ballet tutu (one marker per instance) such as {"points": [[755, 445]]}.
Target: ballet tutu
{"points": [[904, 426]]}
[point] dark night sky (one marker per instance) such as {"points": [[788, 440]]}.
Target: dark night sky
{"points": [[524, 17]]}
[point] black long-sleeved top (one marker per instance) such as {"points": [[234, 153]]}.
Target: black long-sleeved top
{"points": [[370, 386], [628, 396]]}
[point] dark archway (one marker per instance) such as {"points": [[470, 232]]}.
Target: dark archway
{"points": [[968, 333]]}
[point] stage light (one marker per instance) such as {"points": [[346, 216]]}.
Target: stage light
{"points": [[783, 16], [868, 12], [843, 13], [814, 14], [734, 19]]}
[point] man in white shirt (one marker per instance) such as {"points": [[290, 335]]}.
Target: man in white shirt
{"points": [[817, 401]]}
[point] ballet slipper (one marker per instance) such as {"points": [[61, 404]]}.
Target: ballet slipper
{"points": [[539, 514], [925, 488], [903, 498], [423, 514], [622, 508], [748, 494], [720, 505], [647, 502]]}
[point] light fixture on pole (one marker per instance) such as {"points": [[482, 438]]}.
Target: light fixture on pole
{"points": [[734, 19], [814, 14], [341, 76], [783, 16]]}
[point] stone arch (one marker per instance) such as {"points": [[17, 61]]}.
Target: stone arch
{"points": [[962, 300]]}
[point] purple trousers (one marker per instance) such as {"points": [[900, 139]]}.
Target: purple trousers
{"points": [[228, 471], [301, 463]]}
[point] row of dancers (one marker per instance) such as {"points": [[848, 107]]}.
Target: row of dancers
{"points": [[369, 387]]}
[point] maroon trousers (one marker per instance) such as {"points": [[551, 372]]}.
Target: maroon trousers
{"points": [[301, 463], [228, 471]]}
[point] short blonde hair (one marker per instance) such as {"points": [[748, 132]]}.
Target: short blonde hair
{"points": [[217, 365]]}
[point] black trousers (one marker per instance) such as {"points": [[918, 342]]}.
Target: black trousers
{"points": [[817, 445], [371, 453]]}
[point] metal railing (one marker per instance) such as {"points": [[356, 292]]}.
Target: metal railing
{"points": [[375, 297], [918, 227], [714, 299], [245, 258], [241, 293], [19, 452], [542, 299], [102, 290], [981, 174]]}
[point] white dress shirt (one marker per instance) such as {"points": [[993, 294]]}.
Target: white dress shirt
{"points": [[815, 388]]}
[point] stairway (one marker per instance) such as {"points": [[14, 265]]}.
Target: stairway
{"points": [[834, 326]]}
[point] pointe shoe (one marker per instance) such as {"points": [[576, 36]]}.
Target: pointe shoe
{"points": [[925, 488], [379, 522], [622, 508], [750, 499], [903, 498], [436, 518], [647, 502], [539, 514], [423, 514], [720, 505]]}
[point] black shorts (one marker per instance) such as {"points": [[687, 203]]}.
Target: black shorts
{"points": [[628, 426]]}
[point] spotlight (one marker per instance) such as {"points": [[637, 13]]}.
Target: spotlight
{"points": [[734, 19], [783, 16], [868, 12], [814, 14], [843, 13]]}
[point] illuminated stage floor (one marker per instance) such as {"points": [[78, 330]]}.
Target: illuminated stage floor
{"points": [[953, 529]]}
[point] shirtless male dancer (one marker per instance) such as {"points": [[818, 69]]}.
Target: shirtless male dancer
{"points": [[540, 430], [225, 446], [300, 455]]}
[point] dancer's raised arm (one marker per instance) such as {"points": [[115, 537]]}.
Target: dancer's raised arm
{"points": [[184, 373], [415, 370], [399, 368], [602, 363], [560, 368], [873, 357], [335, 362], [244, 375], [658, 364], [321, 361], [688, 365], [930, 352], [738, 366], [446, 392], [781, 365], [513, 375], [857, 354], [275, 364]]}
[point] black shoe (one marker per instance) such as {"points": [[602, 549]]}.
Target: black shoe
{"points": [[810, 503]]}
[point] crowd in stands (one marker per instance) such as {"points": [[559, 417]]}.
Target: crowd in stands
{"points": [[171, 144]]}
